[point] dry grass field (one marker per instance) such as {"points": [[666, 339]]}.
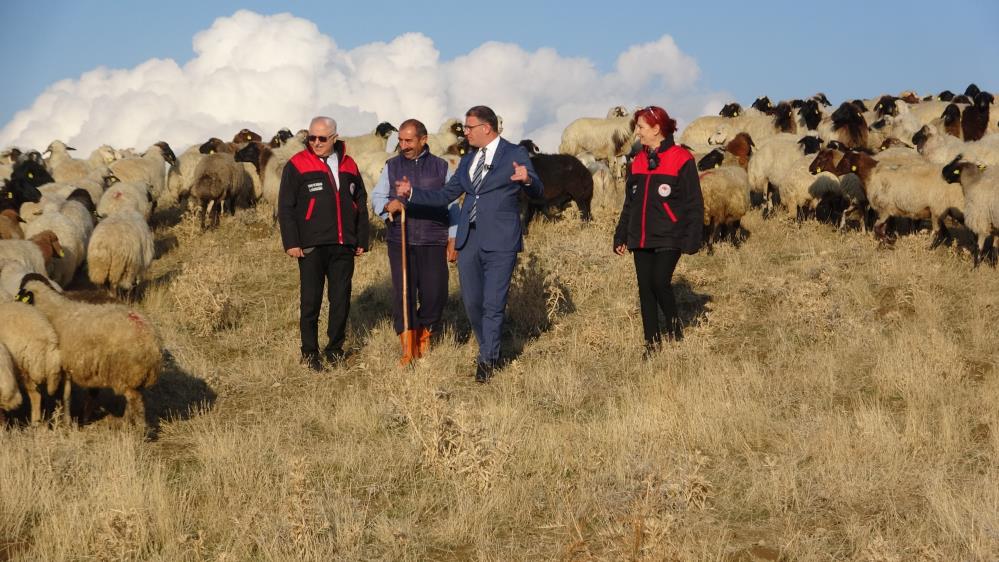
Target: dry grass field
{"points": [[832, 400]]}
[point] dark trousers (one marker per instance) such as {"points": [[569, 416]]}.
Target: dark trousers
{"points": [[485, 282], [654, 269], [426, 270], [334, 263]]}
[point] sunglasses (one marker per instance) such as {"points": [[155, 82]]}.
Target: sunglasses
{"points": [[320, 138]]}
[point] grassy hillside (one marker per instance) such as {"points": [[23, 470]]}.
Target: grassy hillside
{"points": [[832, 400]]}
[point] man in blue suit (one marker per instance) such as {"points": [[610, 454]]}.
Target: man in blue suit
{"points": [[489, 234]]}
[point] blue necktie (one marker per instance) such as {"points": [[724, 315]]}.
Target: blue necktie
{"points": [[480, 168]]}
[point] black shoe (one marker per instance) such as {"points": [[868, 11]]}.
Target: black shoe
{"points": [[311, 360], [483, 372], [334, 356]]}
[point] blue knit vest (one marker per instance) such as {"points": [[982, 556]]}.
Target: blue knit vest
{"points": [[425, 226]]}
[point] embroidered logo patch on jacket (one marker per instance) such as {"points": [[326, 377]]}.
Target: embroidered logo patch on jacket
{"points": [[315, 186]]}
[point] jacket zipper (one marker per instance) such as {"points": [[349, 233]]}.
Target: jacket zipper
{"points": [[336, 197], [645, 203]]}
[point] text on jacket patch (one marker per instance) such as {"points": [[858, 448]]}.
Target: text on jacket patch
{"points": [[317, 186]]}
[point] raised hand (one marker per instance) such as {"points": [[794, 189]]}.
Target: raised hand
{"points": [[403, 188], [520, 173]]}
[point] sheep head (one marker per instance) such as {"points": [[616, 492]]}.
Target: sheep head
{"points": [[385, 129], [167, 152], [731, 110], [246, 135], [809, 144]]}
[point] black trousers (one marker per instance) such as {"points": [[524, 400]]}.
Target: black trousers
{"points": [[426, 271], [334, 263], [654, 268]]}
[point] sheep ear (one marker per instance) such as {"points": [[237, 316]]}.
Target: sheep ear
{"points": [[982, 166]]}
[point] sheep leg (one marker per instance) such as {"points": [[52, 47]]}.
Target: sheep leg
{"points": [[940, 232], [880, 227], [204, 212], [216, 213], [135, 408], [89, 397], [36, 403], [584, 210], [67, 393]]}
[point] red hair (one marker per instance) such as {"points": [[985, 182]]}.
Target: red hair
{"points": [[655, 115]]}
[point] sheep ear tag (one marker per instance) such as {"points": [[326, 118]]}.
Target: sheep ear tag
{"points": [[31, 176], [61, 253], [853, 168], [665, 190], [248, 137]]}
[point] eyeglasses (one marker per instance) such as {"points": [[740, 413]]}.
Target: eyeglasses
{"points": [[320, 138], [470, 127]]}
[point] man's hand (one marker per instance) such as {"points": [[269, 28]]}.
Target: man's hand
{"points": [[621, 250], [403, 188], [295, 252], [359, 251], [452, 254], [394, 207], [520, 174]]}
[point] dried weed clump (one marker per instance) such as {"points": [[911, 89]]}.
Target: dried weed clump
{"points": [[204, 297]]}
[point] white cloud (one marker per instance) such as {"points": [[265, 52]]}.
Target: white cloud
{"points": [[268, 72]]}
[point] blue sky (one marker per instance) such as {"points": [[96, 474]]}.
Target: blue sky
{"points": [[742, 50]]}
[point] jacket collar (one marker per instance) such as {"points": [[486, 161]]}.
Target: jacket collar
{"points": [[339, 148]]}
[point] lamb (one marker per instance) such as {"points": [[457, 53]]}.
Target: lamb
{"points": [[10, 394], [375, 141], [120, 252], [980, 186], [35, 254], [914, 189], [219, 178], [151, 168], [451, 131], [848, 189], [565, 179], [126, 195], [101, 345], [72, 238], [726, 201], [34, 349], [605, 138], [10, 227]]}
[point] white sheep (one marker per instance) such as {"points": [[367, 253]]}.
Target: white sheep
{"points": [[912, 189], [126, 195], [72, 236], [375, 141], [773, 156], [726, 200], [980, 185], [11, 273], [64, 167], [120, 252], [152, 168], [35, 254], [450, 133], [605, 138], [34, 348], [942, 149], [605, 194], [101, 345], [10, 394], [370, 164]]}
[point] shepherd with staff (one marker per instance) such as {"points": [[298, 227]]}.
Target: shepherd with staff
{"points": [[419, 244]]}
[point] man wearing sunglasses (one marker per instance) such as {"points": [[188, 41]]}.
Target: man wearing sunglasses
{"points": [[489, 231], [323, 214]]}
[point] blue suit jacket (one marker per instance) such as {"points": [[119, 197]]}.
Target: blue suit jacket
{"points": [[497, 218]]}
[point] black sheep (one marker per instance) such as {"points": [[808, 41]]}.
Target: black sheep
{"points": [[975, 118], [565, 179], [24, 181]]}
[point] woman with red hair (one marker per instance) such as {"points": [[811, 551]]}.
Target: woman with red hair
{"points": [[662, 217]]}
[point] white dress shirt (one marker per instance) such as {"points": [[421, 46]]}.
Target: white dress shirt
{"points": [[490, 153]]}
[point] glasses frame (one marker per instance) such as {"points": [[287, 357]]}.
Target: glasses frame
{"points": [[320, 138], [468, 128]]}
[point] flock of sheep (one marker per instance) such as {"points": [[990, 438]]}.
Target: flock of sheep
{"points": [[868, 161]]}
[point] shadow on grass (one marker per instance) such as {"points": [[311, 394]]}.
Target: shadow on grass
{"points": [[690, 305]]}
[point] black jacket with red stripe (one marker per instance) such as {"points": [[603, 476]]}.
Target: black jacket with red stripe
{"points": [[663, 207], [313, 212]]}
